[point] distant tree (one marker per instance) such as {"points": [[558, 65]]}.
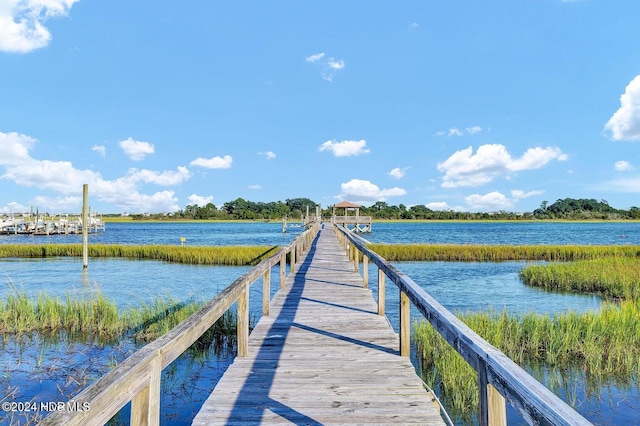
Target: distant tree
{"points": [[298, 206]]}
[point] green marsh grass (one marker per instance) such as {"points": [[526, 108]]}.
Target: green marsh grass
{"points": [[603, 345], [96, 316], [612, 277], [499, 253], [196, 255]]}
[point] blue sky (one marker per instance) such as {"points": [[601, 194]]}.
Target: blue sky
{"points": [[463, 105]]}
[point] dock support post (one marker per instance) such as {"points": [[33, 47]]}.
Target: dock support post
{"points": [[292, 258], [492, 405], [381, 291], [85, 227], [243, 323], [266, 292], [145, 406], [365, 271], [497, 407], [283, 269], [405, 324], [356, 259]]}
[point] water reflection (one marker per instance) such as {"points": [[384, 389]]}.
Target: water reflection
{"points": [[479, 286]]}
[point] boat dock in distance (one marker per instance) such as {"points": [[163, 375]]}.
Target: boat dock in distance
{"points": [[44, 224]]}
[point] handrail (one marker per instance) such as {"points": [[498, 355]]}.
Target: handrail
{"points": [[350, 219], [499, 377], [137, 378]]}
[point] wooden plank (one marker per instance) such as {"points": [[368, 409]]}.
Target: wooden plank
{"points": [[323, 356]]}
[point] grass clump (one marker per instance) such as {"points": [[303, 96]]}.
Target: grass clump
{"points": [[194, 255], [603, 345], [612, 277], [97, 317], [499, 253]]}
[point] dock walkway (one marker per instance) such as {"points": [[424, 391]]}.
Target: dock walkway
{"points": [[323, 356]]}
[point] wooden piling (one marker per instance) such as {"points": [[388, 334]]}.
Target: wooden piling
{"points": [[85, 226]]}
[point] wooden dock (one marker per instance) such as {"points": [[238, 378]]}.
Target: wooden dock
{"points": [[322, 356]]}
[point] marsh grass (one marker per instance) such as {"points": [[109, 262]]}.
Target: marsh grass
{"points": [[97, 317], [612, 277], [499, 253], [195, 255], [602, 345]]}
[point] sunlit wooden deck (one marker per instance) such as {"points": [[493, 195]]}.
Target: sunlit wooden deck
{"points": [[322, 356]]}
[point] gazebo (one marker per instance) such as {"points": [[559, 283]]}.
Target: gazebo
{"points": [[358, 223], [346, 205]]}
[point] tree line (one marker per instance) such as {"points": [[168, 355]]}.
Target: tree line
{"points": [[294, 208]]}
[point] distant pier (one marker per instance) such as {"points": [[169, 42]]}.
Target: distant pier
{"points": [[44, 224]]}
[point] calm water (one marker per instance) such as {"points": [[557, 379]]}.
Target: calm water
{"points": [[516, 233], [197, 234], [458, 286]]}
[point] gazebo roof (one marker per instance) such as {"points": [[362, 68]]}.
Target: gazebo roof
{"points": [[346, 204]]}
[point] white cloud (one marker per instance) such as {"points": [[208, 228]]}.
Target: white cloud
{"points": [[214, 162], [200, 200], [165, 178], [625, 122], [13, 207], [464, 168], [519, 194], [136, 150], [414, 26], [21, 23], [269, 155], [58, 204], [335, 64], [329, 66], [59, 176], [62, 177], [630, 185], [362, 190], [398, 173], [491, 201], [454, 131], [345, 148], [100, 149], [438, 206], [622, 166], [315, 57], [255, 187], [14, 148]]}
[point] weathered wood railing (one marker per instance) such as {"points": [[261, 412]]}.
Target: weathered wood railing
{"points": [[137, 379], [351, 219], [499, 378]]}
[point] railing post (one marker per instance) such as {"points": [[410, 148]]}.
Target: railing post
{"points": [[405, 324], [497, 407], [292, 259], [381, 291], [283, 269], [365, 271], [356, 259], [483, 398], [243, 323], [145, 406], [266, 292]]}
